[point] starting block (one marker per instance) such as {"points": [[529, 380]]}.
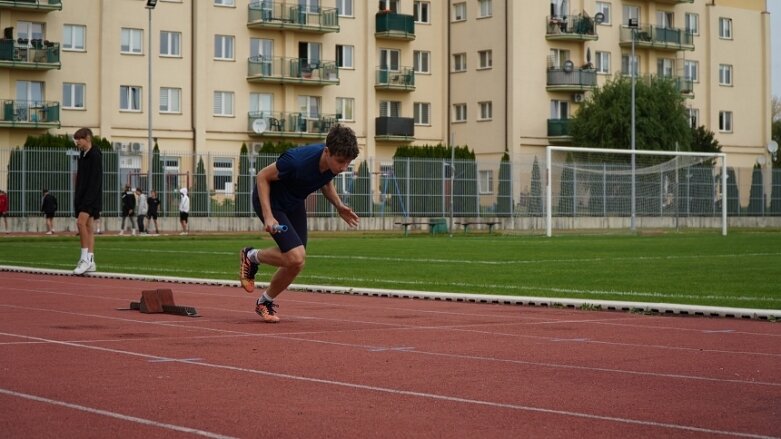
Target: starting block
{"points": [[161, 301]]}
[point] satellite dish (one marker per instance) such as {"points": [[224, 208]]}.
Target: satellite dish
{"points": [[569, 66], [259, 126], [772, 147], [599, 18], [761, 160]]}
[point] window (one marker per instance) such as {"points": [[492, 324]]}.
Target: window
{"points": [[132, 40], [691, 71], [345, 8], [170, 100], [262, 48], [223, 175], [459, 62], [459, 113], [664, 67], [725, 74], [225, 2], [345, 108], [694, 117], [486, 8], [422, 113], [170, 43], [664, 19], [559, 110], [30, 30], [223, 47], [485, 181], [559, 8], [389, 59], [725, 121], [725, 28], [309, 106], [421, 61], [390, 109], [261, 103], [557, 58], [421, 12], [604, 8], [73, 37], [389, 5], [73, 96], [603, 62], [129, 98], [344, 56], [626, 68], [631, 12], [223, 103], [486, 110], [486, 59], [692, 23], [459, 12]]}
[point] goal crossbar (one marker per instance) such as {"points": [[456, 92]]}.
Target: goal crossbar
{"points": [[722, 157]]}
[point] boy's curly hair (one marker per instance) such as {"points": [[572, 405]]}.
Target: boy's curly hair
{"points": [[341, 141]]}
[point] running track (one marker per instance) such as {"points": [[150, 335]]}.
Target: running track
{"points": [[346, 366]]}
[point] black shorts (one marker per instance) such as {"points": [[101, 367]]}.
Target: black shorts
{"points": [[93, 213], [183, 216], [294, 219], [125, 212], [152, 215], [48, 214]]}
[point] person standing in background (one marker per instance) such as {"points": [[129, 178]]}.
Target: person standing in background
{"points": [[88, 197], [49, 208], [184, 211], [128, 209], [151, 214], [4, 209], [141, 209]]}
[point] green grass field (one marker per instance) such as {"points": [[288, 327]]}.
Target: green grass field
{"points": [[742, 269]]}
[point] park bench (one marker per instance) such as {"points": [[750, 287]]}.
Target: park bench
{"points": [[435, 225], [490, 225]]}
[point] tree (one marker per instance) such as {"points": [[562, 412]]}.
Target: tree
{"points": [[535, 203], [775, 109], [756, 195], [200, 192], [505, 198], [775, 197], [244, 192], [661, 122], [361, 197]]}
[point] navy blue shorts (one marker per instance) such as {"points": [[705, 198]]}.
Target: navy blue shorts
{"points": [[294, 219]]}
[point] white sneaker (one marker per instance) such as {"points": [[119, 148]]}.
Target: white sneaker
{"points": [[91, 268], [121, 232], [82, 267], [49, 232], [134, 232], [182, 233]]}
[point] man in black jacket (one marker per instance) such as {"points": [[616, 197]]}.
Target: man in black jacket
{"points": [[49, 208], [128, 209], [88, 199]]}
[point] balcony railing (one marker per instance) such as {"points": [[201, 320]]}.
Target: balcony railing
{"points": [[574, 27], [403, 79], [29, 54], [575, 79], [394, 26], [282, 124], [394, 128], [559, 128], [278, 15], [30, 114], [32, 5], [281, 70], [657, 37]]}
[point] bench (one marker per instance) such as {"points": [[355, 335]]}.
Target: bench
{"points": [[435, 225], [490, 225]]}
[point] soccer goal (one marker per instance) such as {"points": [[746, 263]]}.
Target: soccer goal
{"points": [[615, 189]]}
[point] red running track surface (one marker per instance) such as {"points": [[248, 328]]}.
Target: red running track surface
{"points": [[73, 366]]}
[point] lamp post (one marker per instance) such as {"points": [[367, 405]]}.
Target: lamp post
{"points": [[633, 23], [150, 4]]}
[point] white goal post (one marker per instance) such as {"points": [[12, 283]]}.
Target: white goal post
{"points": [[607, 187]]}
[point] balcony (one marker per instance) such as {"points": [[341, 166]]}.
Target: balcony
{"points": [[657, 37], [571, 79], [30, 114], [399, 129], [403, 79], [393, 26], [558, 130], [298, 125], [278, 70], [281, 16], [572, 28], [29, 54], [32, 5]]}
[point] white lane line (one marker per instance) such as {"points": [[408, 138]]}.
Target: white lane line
{"points": [[424, 395], [115, 415]]}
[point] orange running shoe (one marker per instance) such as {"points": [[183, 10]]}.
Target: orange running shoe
{"points": [[265, 310], [247, 270]]}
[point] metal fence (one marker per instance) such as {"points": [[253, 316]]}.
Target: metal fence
{"points": [[220, 186]]}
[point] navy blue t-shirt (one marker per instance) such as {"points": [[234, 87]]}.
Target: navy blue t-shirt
{"points": [[299, 176]]}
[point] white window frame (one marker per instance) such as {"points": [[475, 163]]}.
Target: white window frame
{"points": [[626, 64], [486, 59], [485, 181], [73, 34], [222, 105], [389, 59], [725, 28], [225, 3], [390, 108], [170, 100], [725, 75], [132, 95], [692, 24], [725, 122], [459, 62], [694, 117], [261, 103], [30, 30], [459, 11], [72, 94], [345, 56], [131, 41], [485, 110], [605, 9], [602, 60], [172, 42], [631, 11], [459, 113], [224, 47], [422, 113], [223, 172], [345, 8], [309, 106], [346, 108], [559, 110], [691, 70], [422, 12], [422, 61], [485, 8]]}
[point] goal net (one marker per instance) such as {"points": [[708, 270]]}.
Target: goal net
{"points": [[614, 189]]}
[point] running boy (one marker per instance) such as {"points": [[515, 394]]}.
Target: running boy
{"points": [[278, 200]]}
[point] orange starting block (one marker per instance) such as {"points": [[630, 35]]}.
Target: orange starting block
{"points": [[161, 301]]}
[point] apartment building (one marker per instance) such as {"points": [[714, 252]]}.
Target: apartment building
{"points": [[496, 75]]}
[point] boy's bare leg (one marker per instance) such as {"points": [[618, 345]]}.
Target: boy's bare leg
{"points": [[289, 266], [86, 235]]}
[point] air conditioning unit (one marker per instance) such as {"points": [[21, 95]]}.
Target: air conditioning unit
{"points": [[117, 146], [136, 147], [578, 97]]}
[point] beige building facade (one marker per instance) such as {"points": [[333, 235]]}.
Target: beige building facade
{"points": [[496, 75]]}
